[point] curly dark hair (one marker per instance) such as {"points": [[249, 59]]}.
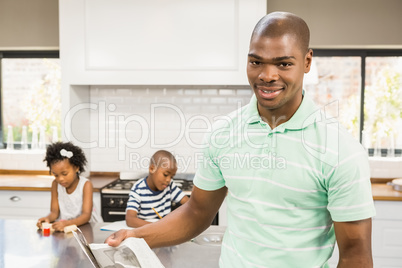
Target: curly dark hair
{"points": [[53, 155]]}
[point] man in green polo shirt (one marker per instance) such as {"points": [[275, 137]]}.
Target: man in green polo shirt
{"points": [[294, 181]]}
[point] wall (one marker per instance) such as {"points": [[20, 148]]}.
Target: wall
{"points": [[344, 23], [29, 24], [333, 23], [131, 123]]}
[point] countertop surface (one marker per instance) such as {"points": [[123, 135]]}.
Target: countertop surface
{"points": [[381, 191], [23, 245], [14, 182]]}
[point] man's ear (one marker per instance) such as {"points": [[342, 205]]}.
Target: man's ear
{"points": [[308, 60]]}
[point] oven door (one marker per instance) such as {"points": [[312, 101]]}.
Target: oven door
{"points": [[114, 207], [113, 214]]}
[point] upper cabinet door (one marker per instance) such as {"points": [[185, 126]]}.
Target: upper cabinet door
{"points": [[158, 42]]}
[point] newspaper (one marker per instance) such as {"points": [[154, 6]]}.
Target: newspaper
{"points": [[131, 253], [118, 225]]}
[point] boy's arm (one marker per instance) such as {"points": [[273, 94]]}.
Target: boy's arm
{"points": [[184, 199], [133, 221]]}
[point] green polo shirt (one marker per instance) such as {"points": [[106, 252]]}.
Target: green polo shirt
{"points": [[286, 185]]}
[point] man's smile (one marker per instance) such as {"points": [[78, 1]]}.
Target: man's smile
{"points": [[269, 92]]}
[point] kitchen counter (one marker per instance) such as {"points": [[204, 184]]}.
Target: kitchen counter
{"points": [[22, 245], [26, 182], [16, 182], [384, 192]]}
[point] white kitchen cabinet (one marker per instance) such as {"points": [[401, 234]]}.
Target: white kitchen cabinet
{"points": [[222, 215], [386, 236], [32, 204], [156, 42], [24, 204], [333, 261], [97, 211]]}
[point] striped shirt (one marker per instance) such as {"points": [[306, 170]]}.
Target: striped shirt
{"points": [[286, 186], [142, 199]]}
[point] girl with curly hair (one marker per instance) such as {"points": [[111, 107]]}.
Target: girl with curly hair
{"points": [[71, 201]]}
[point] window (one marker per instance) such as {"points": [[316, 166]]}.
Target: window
{"points": [[366, 86], [338, 82], [30, 98]]}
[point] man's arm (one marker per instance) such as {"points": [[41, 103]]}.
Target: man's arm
{"points": [[181, 225], [354, 242]]}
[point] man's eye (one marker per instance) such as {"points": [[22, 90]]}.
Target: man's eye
{"points": [[285, 64], [255, 63]]}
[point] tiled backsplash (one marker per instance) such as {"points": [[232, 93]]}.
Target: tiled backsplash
{"points": [[137, 121], [22, 160], [129, 123]]}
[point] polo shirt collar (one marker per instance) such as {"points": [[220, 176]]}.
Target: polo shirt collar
{"points": [[307, 114], [251, 113]]}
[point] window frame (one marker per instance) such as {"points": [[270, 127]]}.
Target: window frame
{"points": [[20, 54], [363, 54]]}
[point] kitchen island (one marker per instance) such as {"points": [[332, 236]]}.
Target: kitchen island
{"points": [[23, 245], [387, 232]]}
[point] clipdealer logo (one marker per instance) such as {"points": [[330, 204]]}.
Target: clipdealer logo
{"points": [[116, 130], [113, 128]]}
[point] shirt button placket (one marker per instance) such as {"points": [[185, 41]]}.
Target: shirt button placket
{"points": [[269, 143], [265, 162]]}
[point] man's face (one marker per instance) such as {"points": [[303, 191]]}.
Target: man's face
{"points": [[275, 71]]}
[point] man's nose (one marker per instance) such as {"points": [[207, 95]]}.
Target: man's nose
{"points": [[269, 73]]}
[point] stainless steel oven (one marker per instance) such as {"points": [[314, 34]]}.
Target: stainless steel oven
{"points": [[113, 206]]}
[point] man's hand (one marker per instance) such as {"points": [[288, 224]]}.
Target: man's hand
{"points": [[116, 238]]}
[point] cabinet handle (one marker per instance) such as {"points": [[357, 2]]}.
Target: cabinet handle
{"points": [[117, 213], [15, 198]]}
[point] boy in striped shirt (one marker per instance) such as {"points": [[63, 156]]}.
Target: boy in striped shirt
{"points": [[151, 197]]}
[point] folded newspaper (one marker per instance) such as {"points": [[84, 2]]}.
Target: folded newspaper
{"points": [[131, 253]]}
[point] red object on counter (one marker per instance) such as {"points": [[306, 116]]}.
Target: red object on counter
{"points": [[46, 231]]}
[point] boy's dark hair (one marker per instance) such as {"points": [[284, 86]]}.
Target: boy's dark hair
{"points": [[54, 155], [162, 158]]}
